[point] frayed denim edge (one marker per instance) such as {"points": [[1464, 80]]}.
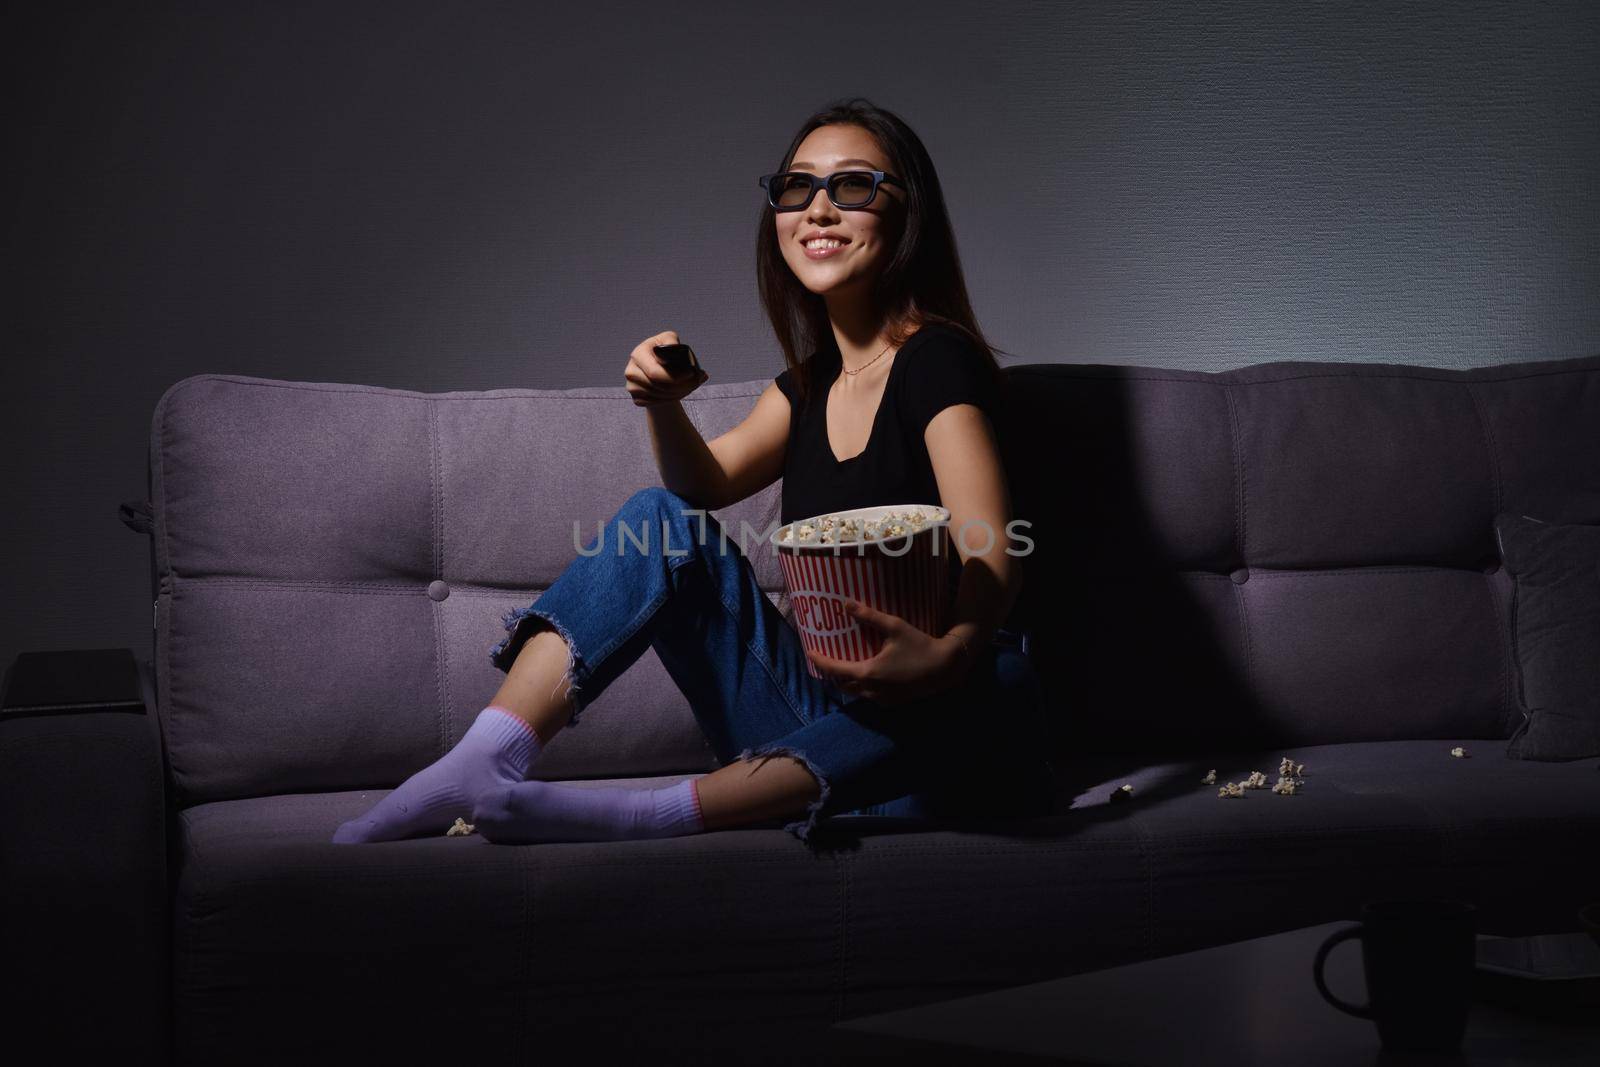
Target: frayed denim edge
{"points": [[802, 830], [511, 620]]}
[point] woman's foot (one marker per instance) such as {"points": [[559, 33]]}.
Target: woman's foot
{"points": [[546, 811], [495, 752]]}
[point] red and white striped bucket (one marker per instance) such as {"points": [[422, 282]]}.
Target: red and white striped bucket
{"points": [[906, 575]]}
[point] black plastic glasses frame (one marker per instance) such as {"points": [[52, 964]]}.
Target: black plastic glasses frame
{"points": [[831, 181]]}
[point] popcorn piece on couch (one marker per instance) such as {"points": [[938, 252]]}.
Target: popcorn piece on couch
{"points": [[1211, 777], [461, 829], [1257, 780], [1231, 790], [1459, 753], [1285, 786]]}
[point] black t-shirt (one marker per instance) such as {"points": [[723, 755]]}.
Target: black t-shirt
{"points": [[937, 366]]}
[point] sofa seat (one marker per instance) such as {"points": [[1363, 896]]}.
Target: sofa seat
{"points": [[685, 937]]}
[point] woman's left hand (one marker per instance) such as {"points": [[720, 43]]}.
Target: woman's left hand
{"points": [[909, 665]]}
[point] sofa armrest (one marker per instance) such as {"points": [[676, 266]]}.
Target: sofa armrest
{"points": [[85, 923]]}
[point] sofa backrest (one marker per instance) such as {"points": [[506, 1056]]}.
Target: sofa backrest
{"points": [[334, 563], [1289, 552]]}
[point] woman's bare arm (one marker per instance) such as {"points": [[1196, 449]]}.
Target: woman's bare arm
{"points": [[731, 467], [687, 465], [972, 485]]}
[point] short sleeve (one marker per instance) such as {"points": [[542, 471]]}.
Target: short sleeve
{"points": [[786, 380], [948, 369]]}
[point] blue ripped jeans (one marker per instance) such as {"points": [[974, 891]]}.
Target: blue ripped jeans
{"points": [[673, 581]]}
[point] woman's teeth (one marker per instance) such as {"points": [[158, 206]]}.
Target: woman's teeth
{"points": [[823, 248]]}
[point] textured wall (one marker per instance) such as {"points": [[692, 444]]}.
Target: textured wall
{"points": [[465, 196]]}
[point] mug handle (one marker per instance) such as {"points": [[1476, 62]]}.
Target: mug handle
{"points": [[1363, 1011]]}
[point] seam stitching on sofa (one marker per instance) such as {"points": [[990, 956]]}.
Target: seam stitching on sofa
{"points": [[1122, 847], [1491, 445], [1502, 622], [620, 395], [1244, 624], [1242, 533], [1431, 830], [1497, 502], [1512, 623], [385, 588], [164, 575], [442, 675], [1241, 498], [175, 740], [1442, 374], [436, 506], [1373, 570]]}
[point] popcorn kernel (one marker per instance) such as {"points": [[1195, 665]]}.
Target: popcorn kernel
{"points": [[834, 530]]}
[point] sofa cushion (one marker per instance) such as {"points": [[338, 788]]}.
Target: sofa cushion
{"points": [[456, 949], [335, 562], [558, 938], [1556, 630], [1287, 553]]}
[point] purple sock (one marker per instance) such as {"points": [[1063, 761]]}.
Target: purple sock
{"points": [[548, 811], [496, 751]]}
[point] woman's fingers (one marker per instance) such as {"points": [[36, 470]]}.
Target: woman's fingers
{"points": [[647, 384], [646, 379], [655, 372], [873, 617]]}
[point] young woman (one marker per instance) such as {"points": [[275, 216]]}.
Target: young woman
{"points": [[857, 265]]}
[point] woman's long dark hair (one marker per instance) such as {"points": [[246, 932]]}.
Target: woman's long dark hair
{"points": [[922, 283]]}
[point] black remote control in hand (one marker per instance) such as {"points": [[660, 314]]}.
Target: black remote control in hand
{"points": [[679, 359]]}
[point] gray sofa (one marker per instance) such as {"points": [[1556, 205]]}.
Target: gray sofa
{"points": [[1291, 559]]}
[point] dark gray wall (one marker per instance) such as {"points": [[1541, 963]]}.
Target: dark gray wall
{"points": [[468, 196]]}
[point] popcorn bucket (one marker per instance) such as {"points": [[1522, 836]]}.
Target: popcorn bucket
{"points": [[871, 556]]}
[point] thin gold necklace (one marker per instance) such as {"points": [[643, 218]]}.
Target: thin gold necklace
{"points": [[865, 365]]}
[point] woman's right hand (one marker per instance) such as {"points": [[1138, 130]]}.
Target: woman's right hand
{"points": [[648, 381]]}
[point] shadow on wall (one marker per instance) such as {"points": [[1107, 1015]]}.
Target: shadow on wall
{"points": [[1131, 663]]}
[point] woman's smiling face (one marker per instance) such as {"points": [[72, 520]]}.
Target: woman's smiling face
{"points": [[869, 233]]}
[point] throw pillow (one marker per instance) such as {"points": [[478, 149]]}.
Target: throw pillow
{"points": [[1555, 633]]}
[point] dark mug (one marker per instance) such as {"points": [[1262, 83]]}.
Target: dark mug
{"points": [[1418, 959]]}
